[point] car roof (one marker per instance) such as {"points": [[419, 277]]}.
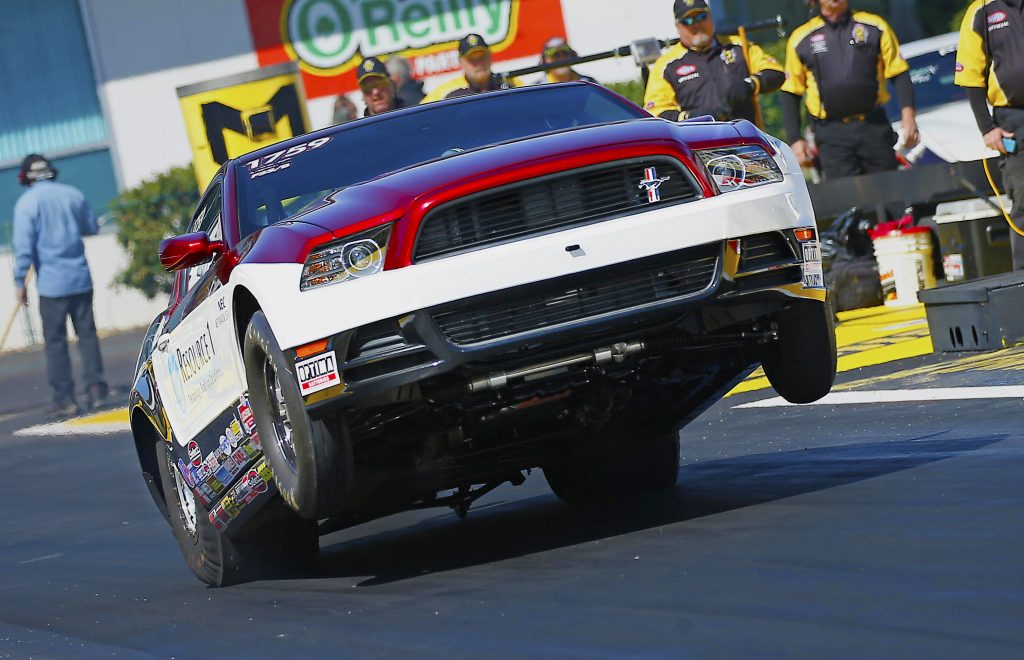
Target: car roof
{"points": [[388, 116], [930, 45]]}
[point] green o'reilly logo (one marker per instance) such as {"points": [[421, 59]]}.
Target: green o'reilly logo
{"points": [[328, 33]]}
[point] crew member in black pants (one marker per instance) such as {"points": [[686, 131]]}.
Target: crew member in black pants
{"points": [[990, 64], [840, 62]]}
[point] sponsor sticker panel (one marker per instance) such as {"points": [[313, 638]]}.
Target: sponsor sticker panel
{"points": [[219, 456], [256, 485]]}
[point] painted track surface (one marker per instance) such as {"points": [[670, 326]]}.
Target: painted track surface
{"points": [[873, 529]]}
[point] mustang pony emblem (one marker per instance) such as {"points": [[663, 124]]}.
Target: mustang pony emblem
{"points": [[651, 183]]}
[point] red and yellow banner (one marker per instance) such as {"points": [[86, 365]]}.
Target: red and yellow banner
{"points": [[329, 38]]}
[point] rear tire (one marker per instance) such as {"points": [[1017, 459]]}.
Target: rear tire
{"points": [[621, 466], [801, 364], [311, 460], [276, 541]]}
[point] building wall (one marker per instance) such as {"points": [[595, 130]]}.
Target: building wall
{"points": [[116, 307], [143, 50]]}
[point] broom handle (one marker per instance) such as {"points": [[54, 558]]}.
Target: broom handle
{"points": [[14, 314]]}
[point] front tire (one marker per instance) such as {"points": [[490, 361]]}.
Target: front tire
{"points": [[277, 540], [311, 460], [801, 364]]}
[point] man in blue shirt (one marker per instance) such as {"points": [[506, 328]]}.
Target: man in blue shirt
{"points": [[50, 220]]}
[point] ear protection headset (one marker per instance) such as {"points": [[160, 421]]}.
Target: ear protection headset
{"points": [[35, 168]]}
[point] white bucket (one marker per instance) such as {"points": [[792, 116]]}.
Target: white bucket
{"points": [[904, 264]]}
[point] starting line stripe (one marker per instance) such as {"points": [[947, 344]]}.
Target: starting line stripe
{"points": [[111, 421], [900, 396]]}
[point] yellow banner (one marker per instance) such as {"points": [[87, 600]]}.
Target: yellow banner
{"points": [[229, 117]]}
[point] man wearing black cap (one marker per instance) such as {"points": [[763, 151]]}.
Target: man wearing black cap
{"points": [[50, 220], [378, 90], [475, 59], [557, 49], [708, 74], [840, 62]]}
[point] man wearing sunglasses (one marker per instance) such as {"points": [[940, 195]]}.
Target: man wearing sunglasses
{"points": [[557, 49], [840, 62], [707, 74]]}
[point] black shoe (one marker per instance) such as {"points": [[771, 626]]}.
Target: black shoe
{"points": [[63, 409], [96, 395]]}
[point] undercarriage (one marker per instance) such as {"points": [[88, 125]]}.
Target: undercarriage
{"points": [[441, 406]]}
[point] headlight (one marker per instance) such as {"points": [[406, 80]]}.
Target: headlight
{"points": [[352, 257], [737, 168]]}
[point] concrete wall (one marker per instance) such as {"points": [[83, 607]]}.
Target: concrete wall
{"points": [[115, 307]]}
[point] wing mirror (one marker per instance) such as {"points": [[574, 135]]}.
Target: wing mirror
{"points": [[189, 250]]}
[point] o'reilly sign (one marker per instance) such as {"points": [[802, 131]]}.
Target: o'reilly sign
{"points": [[329, 38], [334, 35]]}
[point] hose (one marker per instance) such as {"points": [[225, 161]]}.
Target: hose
{"points": [[999, 198]]}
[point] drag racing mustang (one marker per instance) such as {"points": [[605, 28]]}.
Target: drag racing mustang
{"points": [[412, 309]]}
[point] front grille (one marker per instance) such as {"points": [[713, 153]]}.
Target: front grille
{"points": [[537, 206], [765, 250], [658, 280]]}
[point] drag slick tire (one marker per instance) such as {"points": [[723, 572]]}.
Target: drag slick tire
{"points": [[276, 542], [619, 465], [311, 459], [801, 364]]}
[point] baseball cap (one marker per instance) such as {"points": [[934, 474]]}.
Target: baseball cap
{"points": [[35, 168], [554, 46], [472, 43], [371, 66], [684, 7]]}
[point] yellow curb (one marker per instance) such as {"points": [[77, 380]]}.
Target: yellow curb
{"points": [[109, 417]]}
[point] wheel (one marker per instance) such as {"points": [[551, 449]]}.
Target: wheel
{"points": [[277, 540], [311, 459], [615, 466], [801, 365]]}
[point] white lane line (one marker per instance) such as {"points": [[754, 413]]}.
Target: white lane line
{"points": [[901, 396]]}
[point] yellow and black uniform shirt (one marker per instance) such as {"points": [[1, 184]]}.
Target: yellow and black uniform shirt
{"points": [[684, 80], [460, 87], [991, 51], [841, 68]]}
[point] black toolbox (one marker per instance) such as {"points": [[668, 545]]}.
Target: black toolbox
{"points": [[985, 314]]}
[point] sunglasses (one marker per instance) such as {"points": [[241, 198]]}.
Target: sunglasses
{"points": [[694, 19]]}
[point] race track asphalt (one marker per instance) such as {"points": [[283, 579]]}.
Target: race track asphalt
{"points": [[881, 529]]}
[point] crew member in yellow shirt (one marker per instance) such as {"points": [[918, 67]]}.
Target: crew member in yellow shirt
{"points": [[707, 74], [990, 64], [840, 62]]}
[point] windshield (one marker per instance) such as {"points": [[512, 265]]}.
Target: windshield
{"points": [[932, 75], [280, 185]]}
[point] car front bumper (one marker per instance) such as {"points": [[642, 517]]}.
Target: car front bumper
{"points": [[302, 317]]}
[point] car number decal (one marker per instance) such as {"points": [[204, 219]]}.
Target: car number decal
{"points": [[814, 274], [282, 160]]}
